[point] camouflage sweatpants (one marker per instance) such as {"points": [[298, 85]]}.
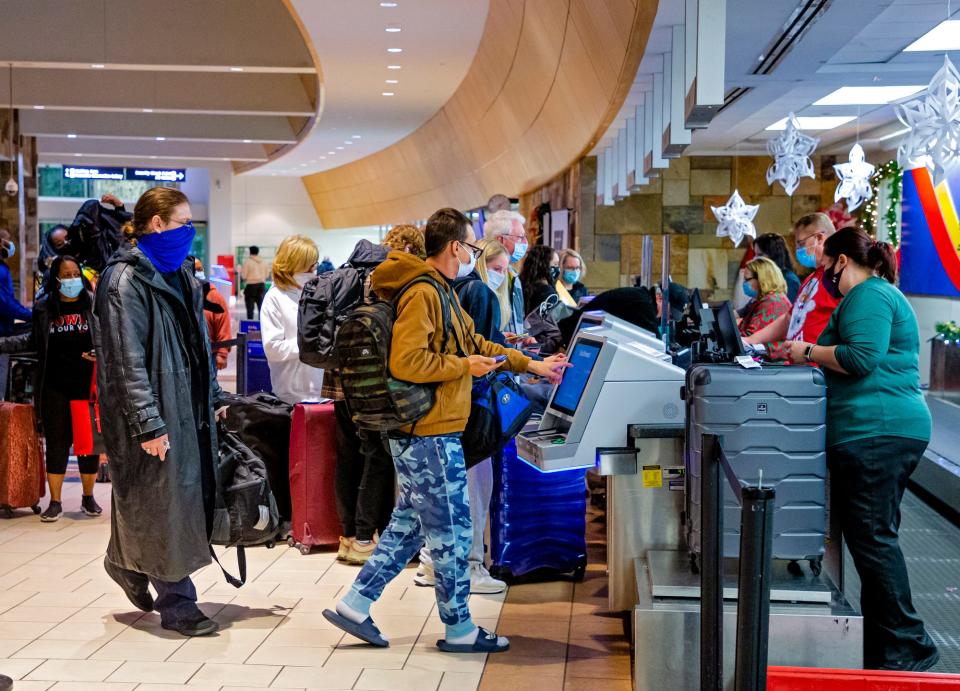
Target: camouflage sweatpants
{"points": [[434, 505]]}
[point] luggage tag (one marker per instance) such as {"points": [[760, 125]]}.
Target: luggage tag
{"points": [[746, 362]]}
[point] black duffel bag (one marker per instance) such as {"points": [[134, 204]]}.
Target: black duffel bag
{"points": [[262, 422]]}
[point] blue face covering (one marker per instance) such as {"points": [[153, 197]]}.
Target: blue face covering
{"points": [[571, 276], [169, 249], [70, 287], [806, 257], [749, 290], [494, 279], [519, 250]]}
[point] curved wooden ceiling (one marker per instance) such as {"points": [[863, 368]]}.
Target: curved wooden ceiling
{"points": [[547, 80]]}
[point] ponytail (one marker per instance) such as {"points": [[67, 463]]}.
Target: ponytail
{"points": [[882, 258]]}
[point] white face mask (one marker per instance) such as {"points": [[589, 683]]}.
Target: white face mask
{"points": [[465, 270], [495, 279], [200, 275], [7, 249], [303, 278]]}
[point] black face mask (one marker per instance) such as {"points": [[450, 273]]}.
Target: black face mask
{"points": [[831, 281], [554, 273]]}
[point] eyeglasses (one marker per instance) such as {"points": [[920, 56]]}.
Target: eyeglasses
{"points": [[749, 278], [477, 251]]}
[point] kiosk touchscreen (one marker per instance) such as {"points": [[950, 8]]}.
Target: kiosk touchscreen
{"points": [[583, 358]]}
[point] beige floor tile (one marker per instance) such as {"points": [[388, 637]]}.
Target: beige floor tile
{"points": [[106, 615], [305, 620], [74, 670], [403, 680], [262, 589], [179, 687], [88, 686], [244, 616], [42, 583], [34, 685], [308, 592], [8, 648], [304, 637], [505, 664], [291, 656], [316, 678], [226, 647], [11, 598], [402, 607], [237, 675], [433, 660], [275, 575], [69, 600], [459, 681], [17, 669], [18, 630], [365, 658], [155, 672], [79, 630], [32, 613], [63, 650], [146, 651]]}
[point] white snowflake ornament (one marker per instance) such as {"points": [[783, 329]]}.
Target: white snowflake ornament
{"points": [[736, 218], [854, 179], [933, 119], [791, 156]]}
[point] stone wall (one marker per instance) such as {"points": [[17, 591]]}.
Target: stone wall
{"points": [[678, 203]]}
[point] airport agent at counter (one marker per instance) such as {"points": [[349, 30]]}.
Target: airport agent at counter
{"points": [[878, 429]]}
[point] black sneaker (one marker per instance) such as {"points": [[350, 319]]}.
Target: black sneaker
{"points": [[53, 512], [197, 625], [134, 585], [90, 506]]}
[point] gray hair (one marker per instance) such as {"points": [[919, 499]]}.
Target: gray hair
{"points": [[498, 202], [501, 223]]}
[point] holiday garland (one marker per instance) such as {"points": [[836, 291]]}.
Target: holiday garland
{"points": [[949, 330], [890, 174]]}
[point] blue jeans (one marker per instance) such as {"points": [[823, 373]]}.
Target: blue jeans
{"points": [[176, 602], [433, 505]]}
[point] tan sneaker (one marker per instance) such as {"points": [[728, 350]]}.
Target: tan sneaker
{"points": [[344, 549], [359, 552]]}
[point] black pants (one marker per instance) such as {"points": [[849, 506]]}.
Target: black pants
{"points": [[868, 478], [58, 431], [365, 479], [253, 297]]}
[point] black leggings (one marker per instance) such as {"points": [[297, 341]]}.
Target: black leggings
{"points": [[58, 431]]}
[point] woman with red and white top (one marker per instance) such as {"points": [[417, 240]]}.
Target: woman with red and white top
{"points": [[764, 283]]}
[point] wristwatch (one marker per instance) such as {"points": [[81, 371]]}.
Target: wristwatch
{"points": [[808, 352]]}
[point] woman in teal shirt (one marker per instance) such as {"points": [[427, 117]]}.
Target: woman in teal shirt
{"points": [[878, 428]]}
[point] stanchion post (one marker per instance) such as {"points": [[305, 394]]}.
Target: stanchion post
{"points": [[711, 565], [242, 364], [753, 583]]}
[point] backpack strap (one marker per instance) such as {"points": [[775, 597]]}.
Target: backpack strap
{"points": [[444, 308], [241, 563]]}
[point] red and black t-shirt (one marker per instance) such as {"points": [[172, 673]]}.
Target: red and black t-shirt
{"points": [[69, 338]]}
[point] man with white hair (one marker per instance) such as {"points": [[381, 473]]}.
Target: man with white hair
{"points": [[507, 227]]}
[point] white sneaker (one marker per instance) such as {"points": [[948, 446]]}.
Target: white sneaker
{"points": [[482, 583], [425, 575]]}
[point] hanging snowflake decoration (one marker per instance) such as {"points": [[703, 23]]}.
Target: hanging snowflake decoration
{"points": [[736, 218], [854, 177], [791, 156], [933, 120]]}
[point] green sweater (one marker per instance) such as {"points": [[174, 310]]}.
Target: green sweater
{"points": [[878, 343]]}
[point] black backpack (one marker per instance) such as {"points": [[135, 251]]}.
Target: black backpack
{"points": [[96, 232], [246, 513], [328, 300], [377, 401]]}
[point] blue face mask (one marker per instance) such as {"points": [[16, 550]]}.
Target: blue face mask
{"points": [[168, 250], [519, 252], [806, 257], [571, 276], [749, 290], [70, 287], [495, 279]]}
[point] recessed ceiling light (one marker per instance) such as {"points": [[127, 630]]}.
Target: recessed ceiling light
{"points": [[236, 69], [388, 4], [356, 136], [247, 141], [392, 29], [71, 136], [339, 148], [332, 153], [387, 93], [78, 154], [98, 65], [323, 158], [349, 141], [944, 36], [867, 95], [303, 165], [153, 157], [148, 110], [39, 107], [161, 139], [225, 159], [394, 50], [815, 123], [392, 81], [393, 67]]}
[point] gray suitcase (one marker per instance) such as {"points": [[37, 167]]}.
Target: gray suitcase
{"points": [[771, 419]]}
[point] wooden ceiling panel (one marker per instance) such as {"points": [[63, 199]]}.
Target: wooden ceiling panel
{"points": [[547, 79]]}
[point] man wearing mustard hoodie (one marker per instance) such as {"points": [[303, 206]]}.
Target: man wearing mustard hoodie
{"points": [[430, 467]]}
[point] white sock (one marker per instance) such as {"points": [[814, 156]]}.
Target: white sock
{"points": [[348, 612], [468, 639]]}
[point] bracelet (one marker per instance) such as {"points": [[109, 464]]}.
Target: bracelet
{"points": [[809, 352]]}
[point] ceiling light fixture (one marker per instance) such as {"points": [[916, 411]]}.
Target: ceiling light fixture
{"points": [[393, 67], [349, 141], [394, 50], [153, 157], [78, 154], [392, 81], [161, 139], [339, 148], [386, 93], [247, 141], [867, 95], [71, 136], [393, 29], [39, 107], [944, 36], [815, 122], [356, 136], [98, 66], [323, 158], [388, 4], [148, 110], [236, 69]]}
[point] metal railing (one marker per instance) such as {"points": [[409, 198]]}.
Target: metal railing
{"points": [[753, 581]]}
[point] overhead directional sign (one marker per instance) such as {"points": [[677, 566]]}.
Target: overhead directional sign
{"points": [[149, 174]]}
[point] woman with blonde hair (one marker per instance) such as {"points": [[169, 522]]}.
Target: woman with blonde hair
{"points": [[572, 272], [294, 265], [764, 283]]}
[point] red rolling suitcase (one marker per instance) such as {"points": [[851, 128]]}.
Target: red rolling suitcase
{"points": [[22, 479], [313, 459]]}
